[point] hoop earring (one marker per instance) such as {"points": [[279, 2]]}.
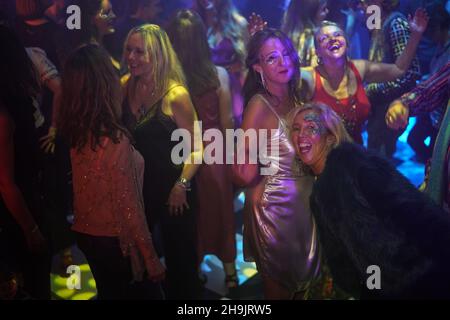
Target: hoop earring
{"points": [[319, 61], [263, 81]]}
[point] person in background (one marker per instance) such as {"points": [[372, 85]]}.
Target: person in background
{"points": [[387, 45], [299, 22], [138, 12], [210, 91], [227, 37], [23, 248], [432, 94]]}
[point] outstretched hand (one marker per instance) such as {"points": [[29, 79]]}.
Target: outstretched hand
{"points": [[419, 22], [256, 23]]}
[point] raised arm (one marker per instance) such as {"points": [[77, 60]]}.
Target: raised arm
{"points": [[405, 47]]}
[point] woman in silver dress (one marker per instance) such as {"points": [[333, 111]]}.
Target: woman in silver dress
{"points": [[279, 232]]}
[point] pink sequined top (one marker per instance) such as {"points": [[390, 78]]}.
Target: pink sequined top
{"points": [[108, 199]]}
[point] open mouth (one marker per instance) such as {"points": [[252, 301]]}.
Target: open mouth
{"points": [[304, 147], [335, 47]]}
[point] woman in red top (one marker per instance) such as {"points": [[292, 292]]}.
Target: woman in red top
{"points": [[338, 81]]}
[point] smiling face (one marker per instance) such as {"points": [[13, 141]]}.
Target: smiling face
{"points": [[275, 61], [104, 19], [311, 139], [331, 43], [138, 60]]}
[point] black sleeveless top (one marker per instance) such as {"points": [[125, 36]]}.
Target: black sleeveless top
{"points": [[152, 137]]}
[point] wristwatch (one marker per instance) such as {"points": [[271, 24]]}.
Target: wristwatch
{"points": [[185, 183]]}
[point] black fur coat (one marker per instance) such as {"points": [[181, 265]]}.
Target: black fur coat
{"points": [[367, 213]]}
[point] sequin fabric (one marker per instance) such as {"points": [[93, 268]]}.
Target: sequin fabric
{"points": [[279, 231], [108, 200]]}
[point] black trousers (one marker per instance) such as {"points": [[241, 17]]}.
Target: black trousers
{"points": [[112, 271], [176, 237]]}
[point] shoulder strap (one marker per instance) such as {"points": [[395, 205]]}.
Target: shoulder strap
{"points": [[269, 105]]}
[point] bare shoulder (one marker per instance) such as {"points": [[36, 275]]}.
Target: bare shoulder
{"points": [[256, 112], [179, 100], [178, 94], [361, 66]]}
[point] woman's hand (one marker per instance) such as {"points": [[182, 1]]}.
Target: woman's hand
{"points": [[397, 115], [419, 22], [177, 200], [256, 23], [48, 141], [155, 269]]}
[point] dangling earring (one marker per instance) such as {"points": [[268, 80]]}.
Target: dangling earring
{"points": [[263, 81], [319, 61]]}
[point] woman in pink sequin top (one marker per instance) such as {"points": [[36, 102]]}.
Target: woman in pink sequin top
{"points": [[107, 179]]}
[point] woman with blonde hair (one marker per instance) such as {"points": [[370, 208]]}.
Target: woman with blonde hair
{"points": [[369, 215], [156, 104]]}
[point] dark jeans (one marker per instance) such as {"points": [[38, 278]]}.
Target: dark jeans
{"points": [[112, 271]]}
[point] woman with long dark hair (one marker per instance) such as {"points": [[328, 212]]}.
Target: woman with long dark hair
{"points": [[279, 232], [209, 88], [227, 38], [107, 179]]}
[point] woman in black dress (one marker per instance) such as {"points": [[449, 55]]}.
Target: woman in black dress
{"points": [[156, 104]]}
